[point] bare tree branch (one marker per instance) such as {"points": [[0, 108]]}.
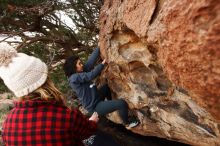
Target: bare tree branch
{"points": [[36, 39]]}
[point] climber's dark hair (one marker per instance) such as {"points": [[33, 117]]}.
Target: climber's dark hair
{"points": [[69, 66]]}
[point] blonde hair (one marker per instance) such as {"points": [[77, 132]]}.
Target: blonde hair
{"points": [[47, 92]]}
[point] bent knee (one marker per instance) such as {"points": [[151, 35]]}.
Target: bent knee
{"points": [[123, 103]]}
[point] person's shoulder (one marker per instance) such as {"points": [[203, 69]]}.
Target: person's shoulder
{"points": [[73, 77]]}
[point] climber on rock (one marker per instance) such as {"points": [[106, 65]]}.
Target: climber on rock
{"points": [[80, 78]]}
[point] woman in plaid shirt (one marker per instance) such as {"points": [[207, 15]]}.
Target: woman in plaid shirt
{"points": [[40, 117]]}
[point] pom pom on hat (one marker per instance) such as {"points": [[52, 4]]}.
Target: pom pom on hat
{"points": [[6, 53]]}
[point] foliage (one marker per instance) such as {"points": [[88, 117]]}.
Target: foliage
{"points": [[4, 109], [40, 17], [3, 88], [21, 2], [38, 50], [59, 79]]}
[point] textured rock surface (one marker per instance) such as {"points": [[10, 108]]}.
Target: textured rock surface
{"points": [[164, 60]]}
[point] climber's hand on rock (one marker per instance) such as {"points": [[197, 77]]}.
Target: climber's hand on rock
{"points": [[104, 62]]}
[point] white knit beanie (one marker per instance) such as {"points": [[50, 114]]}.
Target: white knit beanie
{"points": [[21, 73]]}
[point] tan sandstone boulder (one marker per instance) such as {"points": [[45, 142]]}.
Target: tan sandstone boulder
{"points": [[164, 60]]}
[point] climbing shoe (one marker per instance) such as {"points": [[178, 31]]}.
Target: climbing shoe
{"points": [[132, 124]]}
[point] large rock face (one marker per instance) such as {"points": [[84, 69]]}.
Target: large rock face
{"points": [[164, 60]]}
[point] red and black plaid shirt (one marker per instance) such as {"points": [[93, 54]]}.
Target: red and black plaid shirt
{"points": [[44, 123]]}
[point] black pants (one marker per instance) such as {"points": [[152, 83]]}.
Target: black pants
{"points": [[105, 92], [105, 107]]}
